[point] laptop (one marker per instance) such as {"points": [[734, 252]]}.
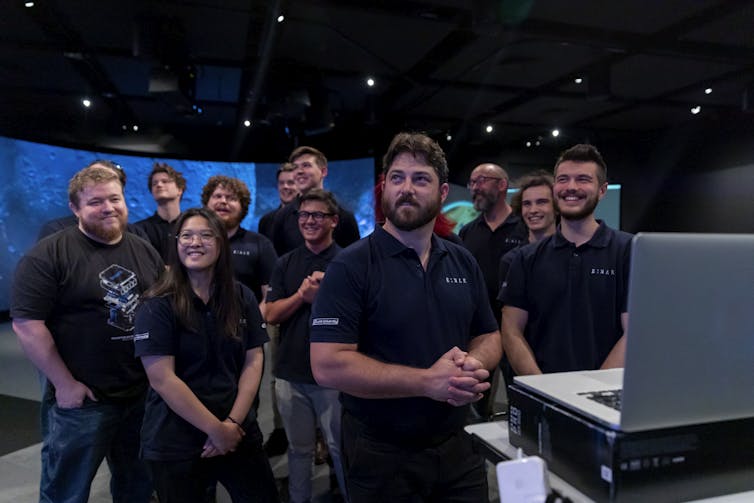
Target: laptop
{"points": [[690, 342]]}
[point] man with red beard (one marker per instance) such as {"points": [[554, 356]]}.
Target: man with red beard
{"points": [[253, 254], [565, 296], [403, 328], [74, 298]]}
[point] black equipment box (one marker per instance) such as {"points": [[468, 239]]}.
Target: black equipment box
{"points": [[670, 464]]}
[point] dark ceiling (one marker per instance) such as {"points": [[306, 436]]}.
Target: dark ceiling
{"points": [[188, 73]]}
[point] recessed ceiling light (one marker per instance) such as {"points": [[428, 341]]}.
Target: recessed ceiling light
{"points": [[281, 18], [528, 144], [708, 90], [370, 81], [448, 137], [488, 128], [29, 4], [695, 110], [135, 128], [555, 133], [578, 80], [247, 123], [86, 102]]}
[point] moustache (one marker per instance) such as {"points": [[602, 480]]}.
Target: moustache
{"points": [[406, 199]]}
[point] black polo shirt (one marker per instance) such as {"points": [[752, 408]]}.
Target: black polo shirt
{"points": [[159, 232], [264, 227], [574, 297], [488, 247], [253, 258], [286, 235], [209, 362], [292, 361], [376, 294]]}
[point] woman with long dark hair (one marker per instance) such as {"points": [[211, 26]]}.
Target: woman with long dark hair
{"points": [[199, 335]]}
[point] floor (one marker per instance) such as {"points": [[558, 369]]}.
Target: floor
{"points": [[19, 470]]}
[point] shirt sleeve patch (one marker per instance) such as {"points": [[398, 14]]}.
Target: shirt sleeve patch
{"points": [[316, 322]]}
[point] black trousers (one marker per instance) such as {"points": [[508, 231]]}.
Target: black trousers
{"points": [[245, 473], [380, 471]]}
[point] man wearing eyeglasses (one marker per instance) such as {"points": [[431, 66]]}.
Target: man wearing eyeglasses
{"points": [[253, 254], [302, 403], [496, 230]]}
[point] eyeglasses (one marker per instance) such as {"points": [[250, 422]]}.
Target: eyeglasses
{"points": [[481, 180], [318, 216], [186, 238]]}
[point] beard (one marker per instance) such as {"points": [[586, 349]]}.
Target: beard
{"points": [[231, 222], [485, 200], [566, 213], [409, 218], [104, 233]]}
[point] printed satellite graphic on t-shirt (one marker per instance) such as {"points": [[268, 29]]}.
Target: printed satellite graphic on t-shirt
{"points": [[121, 296]]}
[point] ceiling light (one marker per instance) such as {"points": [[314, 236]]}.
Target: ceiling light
{"points": [[86, 102], [448, 137], [536, 143], [281, 18], [695, 110], [528, 144], [488, 129], [555, 133], [370, 81], [247, 123], [708, 90], [578, 80], [124, 127], [135, 128], [29, 4]]}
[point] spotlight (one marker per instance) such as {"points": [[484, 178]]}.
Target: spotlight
{"points": [[555, 133], [29, 5], [281, 18], [578, 80], [247, 123], [370, 81], [528, 144], [488, 129], [135, 128], [708, 90], [695, 110], [86, 102], [448, 137]]}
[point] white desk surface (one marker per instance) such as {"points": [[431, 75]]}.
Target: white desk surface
{"points": [[495, 435]]}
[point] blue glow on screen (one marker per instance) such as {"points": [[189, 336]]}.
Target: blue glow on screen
{"points": [[35, 189]]}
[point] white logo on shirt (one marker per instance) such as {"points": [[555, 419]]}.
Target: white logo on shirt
{"points": [[325, 322]]}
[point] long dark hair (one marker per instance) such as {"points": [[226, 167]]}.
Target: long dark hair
{"points": [[224, 295]]}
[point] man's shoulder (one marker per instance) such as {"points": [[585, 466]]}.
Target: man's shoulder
{"points": [[465, 228]]}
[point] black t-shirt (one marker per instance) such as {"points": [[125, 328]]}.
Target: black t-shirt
{"points": [[488, 246], [253, 258], [574, 297], [292, 361], [159, 232], [286, 235], [86, 292], [377, 295], [209, 362]]}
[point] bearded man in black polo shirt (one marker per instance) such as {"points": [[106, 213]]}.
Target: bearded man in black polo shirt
{"points": [[403, 328], [565, 297]]}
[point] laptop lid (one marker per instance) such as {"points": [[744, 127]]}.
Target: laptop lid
{"points": [[690, 344]]}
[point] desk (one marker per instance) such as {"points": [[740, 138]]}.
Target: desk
{"points": [[492, 441]]}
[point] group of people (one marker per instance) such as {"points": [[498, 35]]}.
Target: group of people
{"points": [[152, 349]]}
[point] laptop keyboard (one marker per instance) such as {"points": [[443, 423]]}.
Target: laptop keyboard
{"points": [[611, 398]]}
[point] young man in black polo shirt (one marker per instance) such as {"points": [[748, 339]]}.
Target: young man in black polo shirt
{"points": [[287, 192], [253, 254], [403, 328], [310, 173], [565, 297], [167, 187], [302, 403]]}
